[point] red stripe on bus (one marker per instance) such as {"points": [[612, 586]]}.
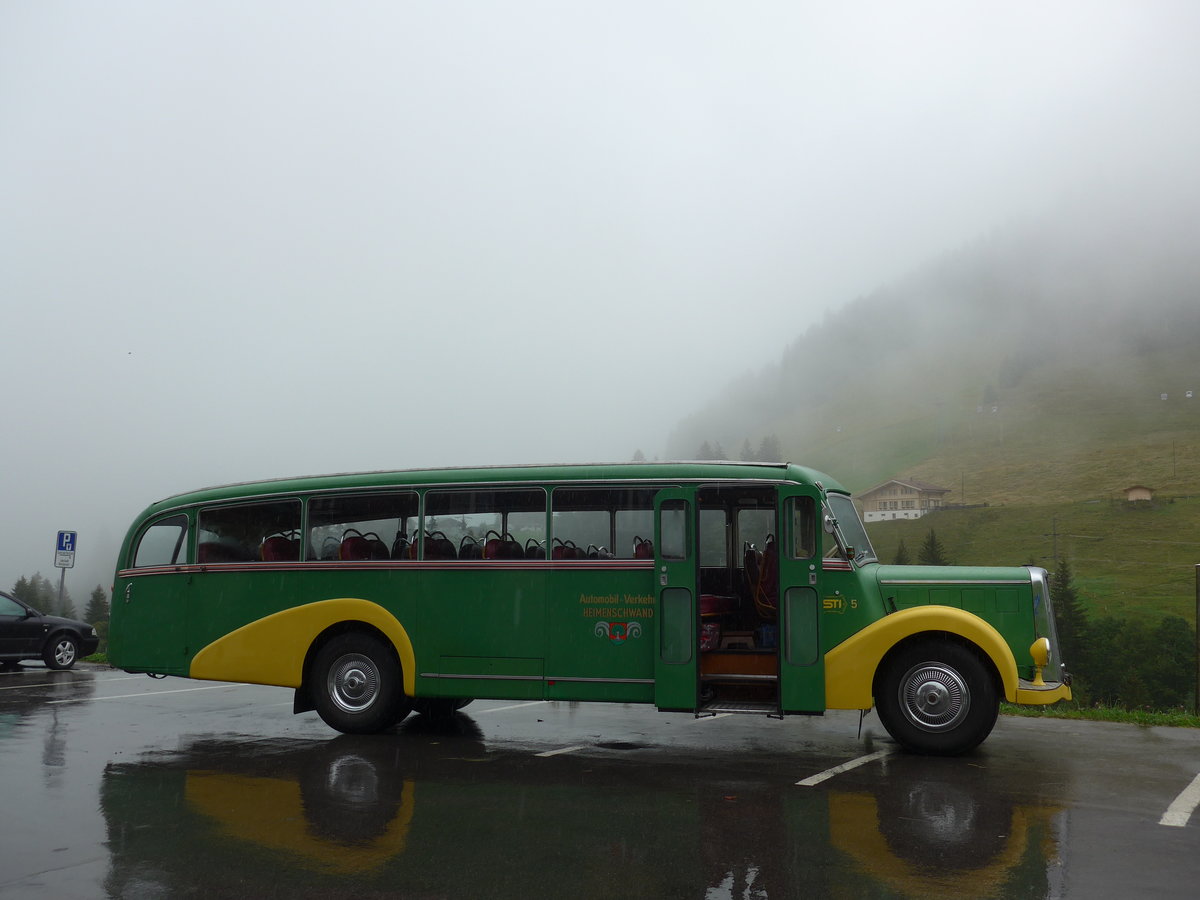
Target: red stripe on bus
{"points": [[574, 565]]}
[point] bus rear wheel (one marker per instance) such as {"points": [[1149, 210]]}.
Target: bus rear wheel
{"points": [[937, 697], [357, 686]]}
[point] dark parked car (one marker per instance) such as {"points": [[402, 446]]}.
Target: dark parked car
{"points": [[26, 634]]}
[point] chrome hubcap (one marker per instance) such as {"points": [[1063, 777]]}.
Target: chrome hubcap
{"points": [[934, 697], [353, 683]]}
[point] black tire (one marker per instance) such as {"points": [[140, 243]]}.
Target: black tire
{"points": [[937, 696], [60, 651], [357, 686]]}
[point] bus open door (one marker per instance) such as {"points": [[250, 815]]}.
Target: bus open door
{"points": [[676, 577], [801, 667]]}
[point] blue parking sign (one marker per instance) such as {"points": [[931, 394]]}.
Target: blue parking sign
{"points": [[64, 550]]}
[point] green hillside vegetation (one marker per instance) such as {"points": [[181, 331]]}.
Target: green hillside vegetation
{"points": [[1127, 560]]}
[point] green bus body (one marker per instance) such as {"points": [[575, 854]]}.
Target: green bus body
{"points": [[709, 587]]}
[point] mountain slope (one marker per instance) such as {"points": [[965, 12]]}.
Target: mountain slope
{"points": [[1025, 368]]}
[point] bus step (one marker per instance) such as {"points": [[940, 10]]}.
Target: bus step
{"points": [[748, 707]]}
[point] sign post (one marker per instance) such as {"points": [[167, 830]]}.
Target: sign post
{"points": [[64, 558]]}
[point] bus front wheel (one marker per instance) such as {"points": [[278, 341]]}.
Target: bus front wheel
{"points": [[357, 686], [937, 697]]}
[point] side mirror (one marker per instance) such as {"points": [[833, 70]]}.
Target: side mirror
{"points": [[830, 524]]}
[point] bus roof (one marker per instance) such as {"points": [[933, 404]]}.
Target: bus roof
{"points": [[625, 473]]}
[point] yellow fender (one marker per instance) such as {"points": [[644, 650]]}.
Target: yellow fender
{"points": [[271, 650], [850, 666]]}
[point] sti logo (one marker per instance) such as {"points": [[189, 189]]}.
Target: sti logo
{"points": [[833, 605]]}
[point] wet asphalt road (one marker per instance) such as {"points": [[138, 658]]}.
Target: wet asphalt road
{"points": [[123, 786]]}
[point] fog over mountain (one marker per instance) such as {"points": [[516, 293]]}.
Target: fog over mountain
{"points": [[1097, 295]]}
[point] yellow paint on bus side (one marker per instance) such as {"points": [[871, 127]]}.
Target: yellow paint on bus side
{"points": [[271, 650], [850, 666]]}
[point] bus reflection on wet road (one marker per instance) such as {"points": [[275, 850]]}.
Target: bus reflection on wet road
{"points": [[435, 814], [120, 786]]}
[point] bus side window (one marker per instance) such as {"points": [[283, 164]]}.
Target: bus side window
{"points": [[801, 518], [601, 523], [755, 526], [507, 523], [237, 533], [362, 526], [163, 544]]}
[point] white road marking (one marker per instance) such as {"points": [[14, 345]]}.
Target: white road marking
{"points": [[476, 712], [215, 687], [1185, 804], [562, 750], [844, 767], [17, 687]]}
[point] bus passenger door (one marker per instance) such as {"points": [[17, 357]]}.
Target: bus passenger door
{"points": [[149, 623], [676, 576], [801, 664], [149, 616]]}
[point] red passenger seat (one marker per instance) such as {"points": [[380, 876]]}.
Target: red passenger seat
{"points": [[566, 550], [762, 576], [356, 545], [280, 548]]}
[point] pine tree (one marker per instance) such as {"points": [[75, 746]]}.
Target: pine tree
{"points": [[718, 451], [770, 450], [1171, 663], [42, 595], [67, 606], [931, 552], [903, 557], [24, 591], [97, 608], [747, 453], [705, 451], [1071, 621]]}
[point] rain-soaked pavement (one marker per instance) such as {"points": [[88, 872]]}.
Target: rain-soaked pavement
{"points": [[122, 786]]}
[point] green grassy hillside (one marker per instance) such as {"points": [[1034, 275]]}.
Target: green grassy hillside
{"points": [[1054, 459], [1127, 560]]}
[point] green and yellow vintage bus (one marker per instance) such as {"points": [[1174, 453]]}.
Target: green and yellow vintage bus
{"points": [[698, 587]]}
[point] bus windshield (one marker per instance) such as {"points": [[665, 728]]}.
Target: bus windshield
{"points": [[851, 527]]}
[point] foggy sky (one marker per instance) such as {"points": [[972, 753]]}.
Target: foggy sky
{"points": [[244, 240]]}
